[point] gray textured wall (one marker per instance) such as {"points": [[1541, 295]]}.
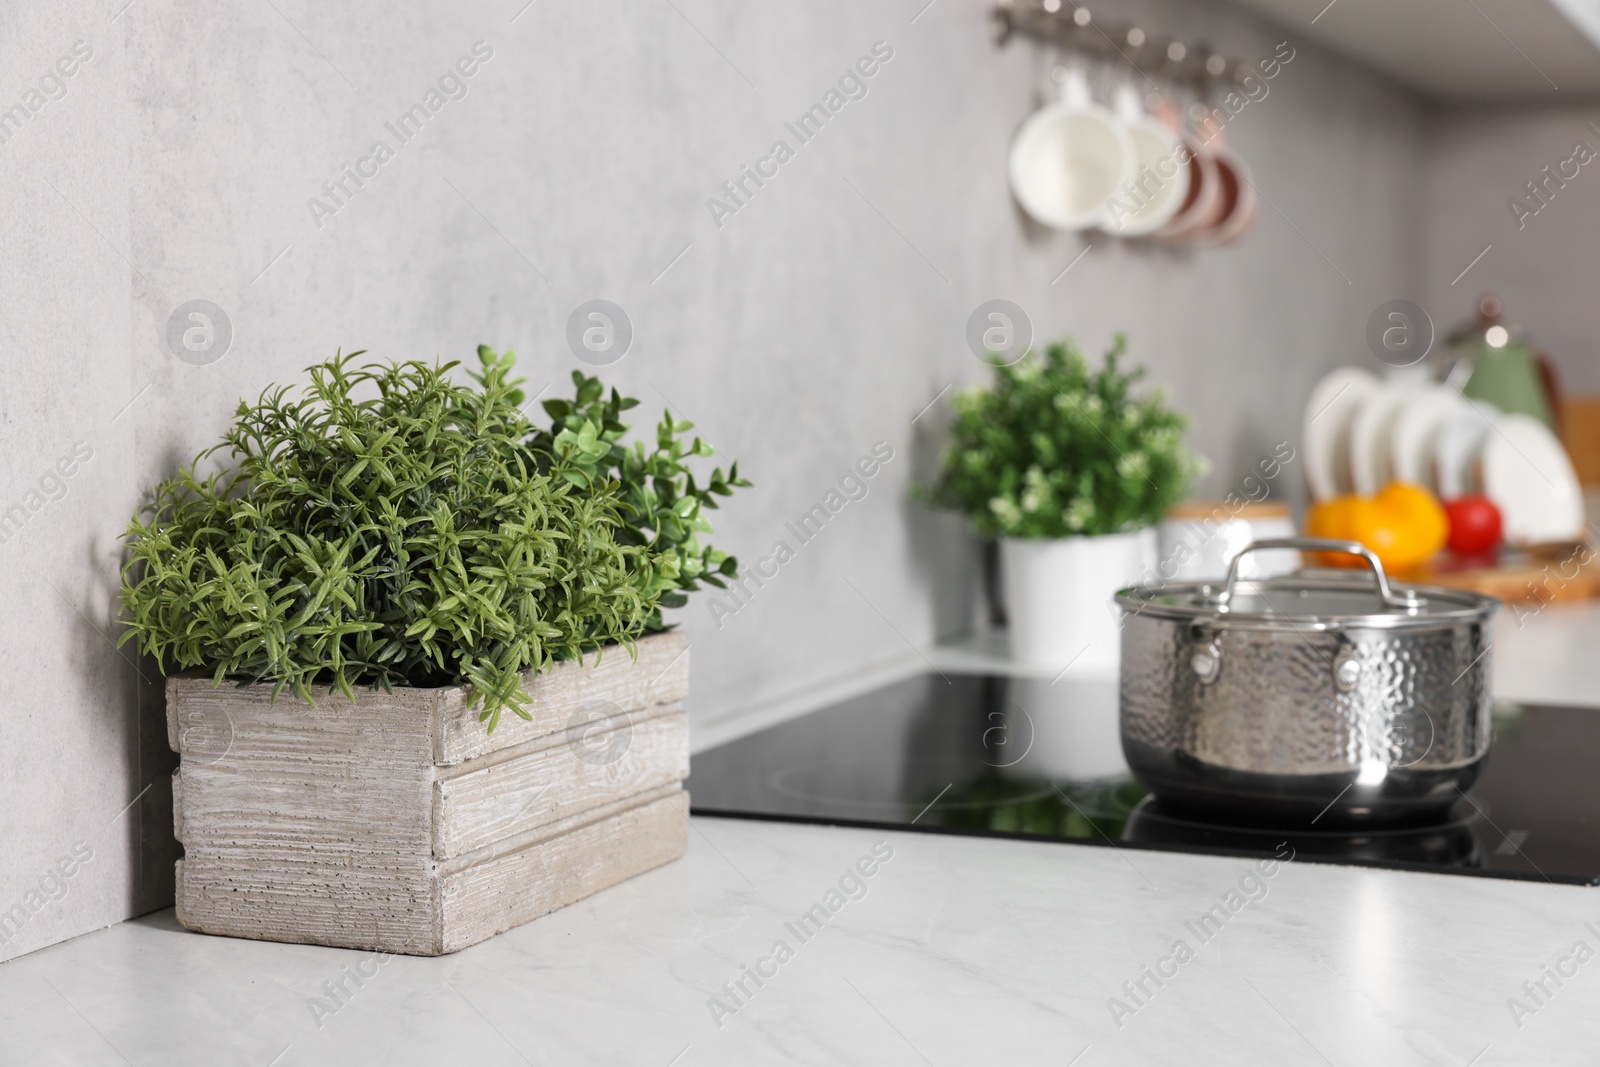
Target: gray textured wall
{"points": [[821, 318], [1542, 265]]}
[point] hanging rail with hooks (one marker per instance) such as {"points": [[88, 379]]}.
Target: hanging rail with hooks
{"points": [[1075, 27]]}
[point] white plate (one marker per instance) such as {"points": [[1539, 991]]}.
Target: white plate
{"points": [[1326, 429], [1370, 433], [1415, 435], [1527, 474], [1457, 447]]}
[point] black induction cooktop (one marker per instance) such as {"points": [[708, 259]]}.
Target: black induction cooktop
{"points": [[930, 754]]}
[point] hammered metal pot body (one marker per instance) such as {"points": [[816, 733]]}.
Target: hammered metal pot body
{"points": [[1281, 722]]}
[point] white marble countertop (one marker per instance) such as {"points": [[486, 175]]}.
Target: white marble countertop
{"points": [[962, 951]]}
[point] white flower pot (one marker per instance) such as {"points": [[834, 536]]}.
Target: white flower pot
{"points": [[1058, 595]]}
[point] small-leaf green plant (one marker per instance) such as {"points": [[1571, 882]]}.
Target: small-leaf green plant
{"points": [[1053, 449], [387, 526], [663, 507]]}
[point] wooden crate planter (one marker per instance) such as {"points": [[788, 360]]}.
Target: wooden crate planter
{"points": [[396, 823]]}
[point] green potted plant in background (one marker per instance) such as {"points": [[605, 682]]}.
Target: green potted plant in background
{"points": [[1070, 472], [388, 563]]}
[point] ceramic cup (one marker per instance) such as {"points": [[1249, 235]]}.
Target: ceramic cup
{"points": [[1239, 202], [1070, 158], [1244, 202], [1160, 184], [1202, 202]]}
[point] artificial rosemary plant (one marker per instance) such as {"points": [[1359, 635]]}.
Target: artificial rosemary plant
{"points": [[388, 526]]}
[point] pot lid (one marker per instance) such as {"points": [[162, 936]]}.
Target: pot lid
{"points": [[1309, 599]]}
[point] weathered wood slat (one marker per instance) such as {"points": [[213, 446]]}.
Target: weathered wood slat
{"points": [[348, 901], [319, 775], [475, 810], [204, 720], [490, 898], [660, 675], [276, 895], [526, 838], [595, 717]]}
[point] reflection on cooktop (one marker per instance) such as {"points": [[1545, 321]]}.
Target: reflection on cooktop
{"points": [[856, 787], [1452, 842], [986, 755]]}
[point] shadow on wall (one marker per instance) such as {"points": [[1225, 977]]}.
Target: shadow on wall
{"points": [[136, 682], [120, 680], [150, 826]]}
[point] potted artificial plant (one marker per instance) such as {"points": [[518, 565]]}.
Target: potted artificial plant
{"points": [[1070, 472], [389, 563]]}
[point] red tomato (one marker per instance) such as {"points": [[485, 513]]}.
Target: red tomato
{"points": [[1474, 524]]}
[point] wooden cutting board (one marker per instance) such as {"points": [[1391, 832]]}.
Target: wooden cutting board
{"points": [[1546, 575]]}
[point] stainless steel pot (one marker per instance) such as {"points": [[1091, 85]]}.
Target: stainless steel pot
{"points": [[1316, 697]]}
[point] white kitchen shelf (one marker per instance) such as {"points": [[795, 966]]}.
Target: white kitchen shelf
{"points": [[990, 653]]}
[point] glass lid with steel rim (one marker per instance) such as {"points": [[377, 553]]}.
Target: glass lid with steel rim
{"points": [[1315, 598]]}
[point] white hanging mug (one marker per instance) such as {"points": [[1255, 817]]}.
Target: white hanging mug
{"points": [[1070, 158], [1160, 183]]}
